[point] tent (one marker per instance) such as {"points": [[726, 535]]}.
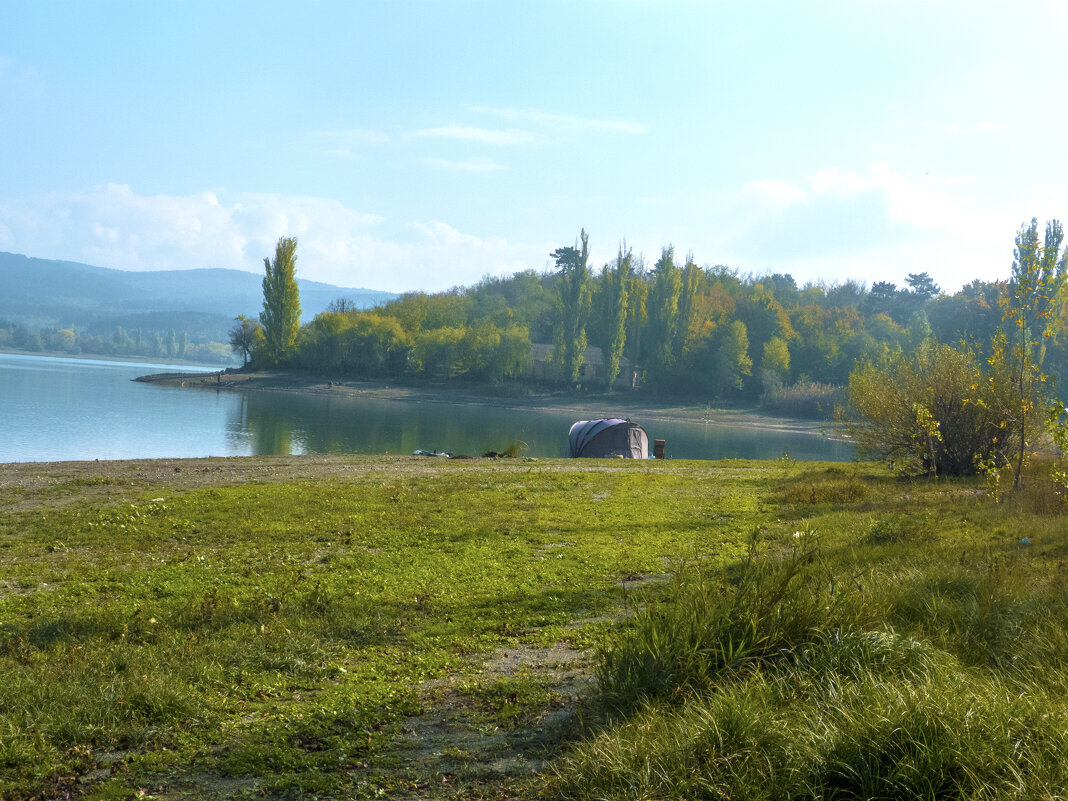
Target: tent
{"points": [[607, 438]]}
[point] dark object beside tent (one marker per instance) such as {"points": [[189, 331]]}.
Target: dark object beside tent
{"points": [[605, 439]]}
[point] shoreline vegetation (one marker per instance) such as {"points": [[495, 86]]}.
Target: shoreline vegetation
{"points": [[389, 626], [641, 407]]}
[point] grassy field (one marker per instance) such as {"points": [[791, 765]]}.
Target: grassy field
{"points": [[367, 627]]}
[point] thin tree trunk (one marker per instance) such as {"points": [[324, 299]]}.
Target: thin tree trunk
{"points": [[1023, 428]]}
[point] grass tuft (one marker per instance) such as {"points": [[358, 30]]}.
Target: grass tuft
{"points": [[878, 661]]}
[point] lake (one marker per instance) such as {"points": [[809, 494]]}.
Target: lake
{"points": [[58, 409]]}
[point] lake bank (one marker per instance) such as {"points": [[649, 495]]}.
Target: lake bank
{"points": [[619, 404]]}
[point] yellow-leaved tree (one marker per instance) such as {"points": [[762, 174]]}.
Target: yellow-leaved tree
{"points": [[1038, 273]]}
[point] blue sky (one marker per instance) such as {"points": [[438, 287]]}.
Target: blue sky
{"points": [[422, 145]]}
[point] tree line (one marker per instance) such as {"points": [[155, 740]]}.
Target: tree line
{"points": [[710, 332], [172, 344]]}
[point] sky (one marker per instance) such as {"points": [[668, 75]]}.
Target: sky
{"points": [[425, 145]]}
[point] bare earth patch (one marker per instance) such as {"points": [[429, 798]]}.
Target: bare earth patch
{"points": [[469, 732]]}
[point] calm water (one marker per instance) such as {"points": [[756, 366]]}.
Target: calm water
{"points": [[54, 409]]}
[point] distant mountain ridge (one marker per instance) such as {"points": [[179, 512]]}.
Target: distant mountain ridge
{"points": [[64, 293]]}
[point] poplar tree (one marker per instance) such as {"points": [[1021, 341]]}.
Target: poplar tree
{"points": [[1038, 273], [637, 315], [689, 286], [664, 311], [614, 314], [569, 333], [281, 304]]}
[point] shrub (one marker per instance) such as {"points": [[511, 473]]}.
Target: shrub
{"points": [[804, 399], [935, 411]]}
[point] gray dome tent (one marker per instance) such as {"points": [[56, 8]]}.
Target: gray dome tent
{"points": [[608, 438]]}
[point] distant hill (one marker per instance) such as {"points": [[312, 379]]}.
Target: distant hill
{"points": [[46, 292]]}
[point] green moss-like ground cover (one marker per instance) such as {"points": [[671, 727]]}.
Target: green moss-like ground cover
{"points": [[345, 637], [281, 633]]}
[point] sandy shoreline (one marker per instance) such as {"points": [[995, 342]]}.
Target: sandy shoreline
{"points": [[619, 404]]}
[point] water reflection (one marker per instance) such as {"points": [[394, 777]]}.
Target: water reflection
{"points": [[271, 423], [57, 409], [268, 422]]}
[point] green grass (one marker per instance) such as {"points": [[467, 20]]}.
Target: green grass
{"points": [[895, 642], [338, 639], [281, 634]]}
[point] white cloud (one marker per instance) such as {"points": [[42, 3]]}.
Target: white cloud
{"points": [[554, 121], [112, 226], [469, 133], [774, 194], [879, 224], [836, 182], [917, 201]]}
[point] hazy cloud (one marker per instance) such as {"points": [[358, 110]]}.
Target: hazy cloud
{"points": [[348, 143], [342, 153], [16, 78], [774, 194], [959, 129], [351, 136], [916, 202], [468, 165], [840, 223], [469, 133], [554, 121], [112, 226]]}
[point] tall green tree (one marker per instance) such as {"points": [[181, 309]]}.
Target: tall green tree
{"points": [[689, 287], [775, 363], [281, 304], [569, 333], [1038, 273], [731, 362], [664, 311], [764, 318], [613, 314], [637, 316]]}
